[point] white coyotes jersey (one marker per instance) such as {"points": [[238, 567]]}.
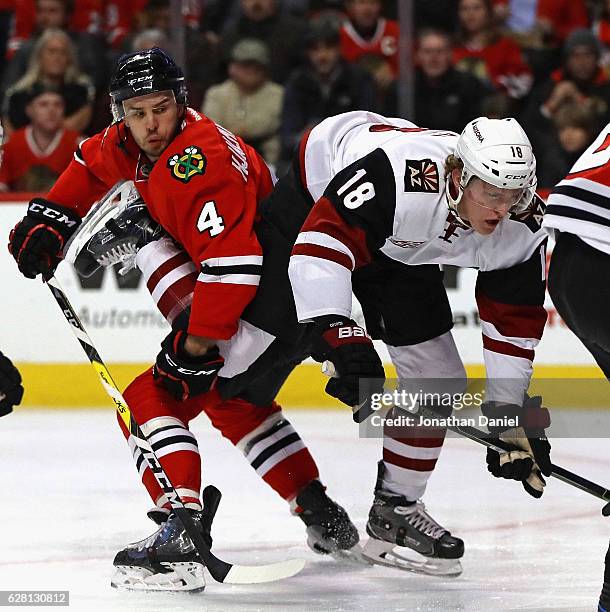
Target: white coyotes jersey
{"points": [[378, 185], [424, 230], [580, 203]]}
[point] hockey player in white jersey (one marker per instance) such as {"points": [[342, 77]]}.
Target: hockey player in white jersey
{"points": [[392, 202], [374, 205], [578, 213]]}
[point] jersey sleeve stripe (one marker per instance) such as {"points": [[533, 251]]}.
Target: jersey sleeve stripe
{"points": [[314, 250], [326, 241], [572, 192], [234, 260], [234, 279], [223, 270], [577, 213]]}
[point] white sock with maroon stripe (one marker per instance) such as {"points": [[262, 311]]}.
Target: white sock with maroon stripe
{"points": [[170, 276]]}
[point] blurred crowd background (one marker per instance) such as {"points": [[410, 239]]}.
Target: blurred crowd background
{"points": [[268, 70]]}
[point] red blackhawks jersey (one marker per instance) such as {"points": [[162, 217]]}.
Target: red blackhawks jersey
{"points": [[379, 184], [580, 204], [383, 43], [204, 190]]}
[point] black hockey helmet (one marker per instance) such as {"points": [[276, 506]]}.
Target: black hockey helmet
{"points": [[144, 72]]}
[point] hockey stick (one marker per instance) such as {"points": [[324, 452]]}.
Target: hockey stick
{"points": [[476, 435], [220, 570]]}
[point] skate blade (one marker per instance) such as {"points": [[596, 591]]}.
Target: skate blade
{"points": [[353, 556], [187, 576], [384, 553]]}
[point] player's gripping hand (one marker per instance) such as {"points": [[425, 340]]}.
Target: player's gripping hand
{"points": [[531, 457], [358, 366], [11, 390], [37, 241], [182, 374]]}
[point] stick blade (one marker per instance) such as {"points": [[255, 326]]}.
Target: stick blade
{"points": [[255, 574]]}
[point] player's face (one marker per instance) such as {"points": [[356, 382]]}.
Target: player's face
{"points": [[484, 205], [152, 120]]}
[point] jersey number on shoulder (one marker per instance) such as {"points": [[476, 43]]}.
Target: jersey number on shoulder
{"points": [[359, 194], [209, 219]]}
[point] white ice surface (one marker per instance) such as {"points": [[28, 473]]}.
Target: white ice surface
{"points": [[71, 498]]}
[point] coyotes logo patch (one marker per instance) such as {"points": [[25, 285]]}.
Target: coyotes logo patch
{"points": [[421, 176], [184, 166]]}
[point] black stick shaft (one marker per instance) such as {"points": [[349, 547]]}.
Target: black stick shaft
{"points": [[218, 569]]}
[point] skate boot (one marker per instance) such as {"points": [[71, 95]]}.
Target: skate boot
{"points": [[424, 546], [329, 529], [167, 559], [114, 234]]}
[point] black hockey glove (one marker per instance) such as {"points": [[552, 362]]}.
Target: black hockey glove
{"points": [[358, 366], [531, 457], [37, 241], [182, 374], [11, 390]]}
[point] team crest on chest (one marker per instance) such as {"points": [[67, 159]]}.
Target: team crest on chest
{"points": [[184, 166], [421, 176]]}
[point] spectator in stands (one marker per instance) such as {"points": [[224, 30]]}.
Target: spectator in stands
{"points": [[444, 98], [575, 125], [152, 37], [559, 18], [327, 86], [580, 78], [53, 62], [41, 15], [601, 29], [283, 34], [366, 32], [248, 103], [483, 51], [36, 155]]}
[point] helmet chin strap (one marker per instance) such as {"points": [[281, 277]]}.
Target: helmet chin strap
{"points": [[453, 203]]}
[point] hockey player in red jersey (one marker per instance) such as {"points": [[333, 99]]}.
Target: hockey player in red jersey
{"points": [[203, 185]]}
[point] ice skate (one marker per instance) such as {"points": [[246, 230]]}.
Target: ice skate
{"points": [[329, 529], [403, 535], [165, 561]]}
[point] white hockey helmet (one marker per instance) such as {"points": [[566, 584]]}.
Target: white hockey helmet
{"points": [[498, 152]]}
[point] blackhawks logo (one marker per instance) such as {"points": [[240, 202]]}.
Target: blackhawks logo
{"points": [[184, 166]]}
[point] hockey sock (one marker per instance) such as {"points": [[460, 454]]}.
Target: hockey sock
{"points": [[269, 442], [163, 421], [410, 459]]}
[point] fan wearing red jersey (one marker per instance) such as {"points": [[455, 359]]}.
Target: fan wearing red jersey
{"points": [[366, 32], [202, 185], [37, 154]]}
